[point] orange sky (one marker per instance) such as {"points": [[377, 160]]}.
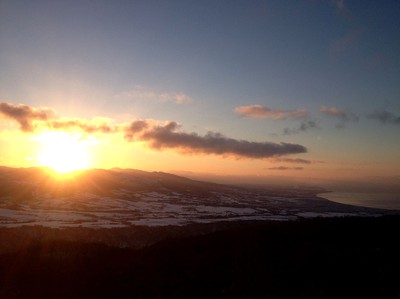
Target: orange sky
{"points": [[103, 149], [307, 90]]}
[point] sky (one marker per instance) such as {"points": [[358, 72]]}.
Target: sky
{"points": [[307, 88]]}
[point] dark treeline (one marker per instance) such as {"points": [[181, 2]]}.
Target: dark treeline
{"points": [[320, 258]]}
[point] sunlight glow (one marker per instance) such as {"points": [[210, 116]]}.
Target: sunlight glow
{"points": [[63, 151]]}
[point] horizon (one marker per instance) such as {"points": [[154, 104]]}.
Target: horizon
{"points": [[369, 185], [306, 93], [41, 196]]}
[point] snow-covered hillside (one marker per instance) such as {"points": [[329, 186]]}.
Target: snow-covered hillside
{"points": [[123, 198]]}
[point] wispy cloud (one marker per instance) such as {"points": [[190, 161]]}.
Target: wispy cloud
{"points": [[262, 112], [25, 115], [142, 93], [339, 4], [88, 127], [385, 117], [342, 9], [178, 98], [303, 127], [168, 136], [342, 115], [157, 135], [291, 160], [285, 168], [341, 45]]}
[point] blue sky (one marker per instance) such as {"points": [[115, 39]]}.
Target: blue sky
{"points": [[194, 62]]}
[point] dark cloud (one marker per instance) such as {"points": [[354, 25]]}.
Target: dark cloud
{"points": [[262, 112], [342, 115], [304, 126], [292, 160], [385, 117], [25, 115], [30, 118], [167, 136], [135, 127], [286, 168], [157, 135]]}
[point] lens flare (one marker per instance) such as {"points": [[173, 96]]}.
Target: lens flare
{"points": [[63, 151]]}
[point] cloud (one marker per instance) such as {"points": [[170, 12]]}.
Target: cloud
{"points": [[262, 112], [31, 119], [339, 4], [385, 117], [341, 45], [142, 93], [83, 125], [343, 116], [167, 136], [291, 160], [178, 98], [342, 9], [25, 115], [304, 126], [157, 135], [332, 111], [285, 168]]}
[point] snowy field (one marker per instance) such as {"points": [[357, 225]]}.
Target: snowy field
{"points": [[166, 200]]}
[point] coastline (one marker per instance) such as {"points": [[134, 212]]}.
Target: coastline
{"points": [[384, 200]]}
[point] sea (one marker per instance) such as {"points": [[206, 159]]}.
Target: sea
{"points": [[390, 201]]}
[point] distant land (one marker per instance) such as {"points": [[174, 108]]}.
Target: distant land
{"points": [[369, 191], [126, 197]]}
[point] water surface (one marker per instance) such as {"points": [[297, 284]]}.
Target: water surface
{"points": [[373, 200]]}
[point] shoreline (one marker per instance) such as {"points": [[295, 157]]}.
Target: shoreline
{"points": [[375, 200]]}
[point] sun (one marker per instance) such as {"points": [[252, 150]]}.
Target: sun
{"points": [[63, 152]]}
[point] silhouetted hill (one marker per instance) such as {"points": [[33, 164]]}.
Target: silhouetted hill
{"points": [[135, 234], [319, 258]]}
